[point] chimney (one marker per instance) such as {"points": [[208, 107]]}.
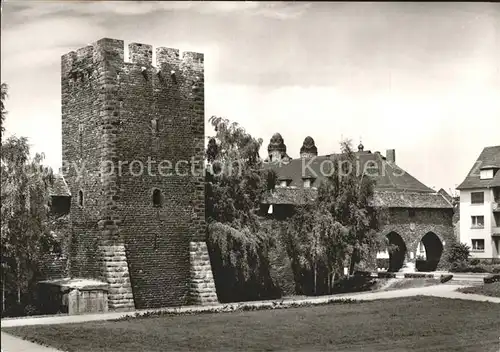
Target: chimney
{"points": [[390, 155]]}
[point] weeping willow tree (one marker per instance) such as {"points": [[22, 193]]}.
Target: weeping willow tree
{"points": [[235, 183]]}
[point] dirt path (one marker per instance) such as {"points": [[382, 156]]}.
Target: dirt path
{"points": [[15, 344]]}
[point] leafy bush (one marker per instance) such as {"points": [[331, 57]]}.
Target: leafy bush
{"points": [[31, 310], [418, 276], [353, 284], [465, 267], [445, 278], [362, 273], [492, 278], [386, 275], [383, 263], [474, 261], [458, 253]]}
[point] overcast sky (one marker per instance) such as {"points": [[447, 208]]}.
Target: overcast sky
{"points": [[421, 78]]}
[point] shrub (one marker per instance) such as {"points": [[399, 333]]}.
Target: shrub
{"points": [[353, 284], [458, 253], [459, 267], [474, 261], [445, 278], [30, 310], [492, 278], [464, 267], [478, 269], [418, 276], [362, 273], [386, 275], [383, 263]]}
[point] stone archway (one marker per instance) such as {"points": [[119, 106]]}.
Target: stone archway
{"points": [[397, 251], [433, 251]]}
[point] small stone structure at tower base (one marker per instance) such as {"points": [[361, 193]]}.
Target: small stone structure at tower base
{"points": [[73, 296]]}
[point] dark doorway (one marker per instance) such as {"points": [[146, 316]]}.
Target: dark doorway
{"points": [[433, 251], [397, 251]]}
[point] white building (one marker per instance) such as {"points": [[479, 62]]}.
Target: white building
{"points": [[480, 206]]}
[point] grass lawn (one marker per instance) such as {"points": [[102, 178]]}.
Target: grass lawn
{"points": [[405, 324], [492, 289]]}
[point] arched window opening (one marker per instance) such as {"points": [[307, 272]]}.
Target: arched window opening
{"points": [[154, 126], [80, 198], [157, 198]]}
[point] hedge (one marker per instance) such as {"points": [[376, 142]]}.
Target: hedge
{"points": [[386, 275], [492, 278], [418, 276], [445, 278]]}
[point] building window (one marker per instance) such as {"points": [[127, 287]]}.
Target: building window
{"points": [[486, 174], [478, 245], [477, 197], [285, 183], [154, 126], [80, 198], [411, 213], [477, 221], [307, 183], [157, 198]]}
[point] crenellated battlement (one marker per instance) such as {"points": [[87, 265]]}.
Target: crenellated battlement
{"points": [[113, 51]]}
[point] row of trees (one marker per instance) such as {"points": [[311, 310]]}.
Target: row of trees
{"points": [[338, 229], [25, 231]]}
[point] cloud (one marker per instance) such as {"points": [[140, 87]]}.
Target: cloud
{"points": [[276, 10]]}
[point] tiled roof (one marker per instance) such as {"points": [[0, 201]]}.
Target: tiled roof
{"points": [[289, 195], [394, 187], [490, 156], [384, 199], [388, 175], [410, 200], [59, 188]]}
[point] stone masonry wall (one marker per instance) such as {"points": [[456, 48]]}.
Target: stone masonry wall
{"points": [[81, 154], [202, 281], [138, 120]]}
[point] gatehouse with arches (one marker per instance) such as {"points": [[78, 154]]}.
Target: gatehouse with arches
{"points": [[417, 221]]}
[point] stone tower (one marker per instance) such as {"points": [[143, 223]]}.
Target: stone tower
{"points": [[133, 147]]}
